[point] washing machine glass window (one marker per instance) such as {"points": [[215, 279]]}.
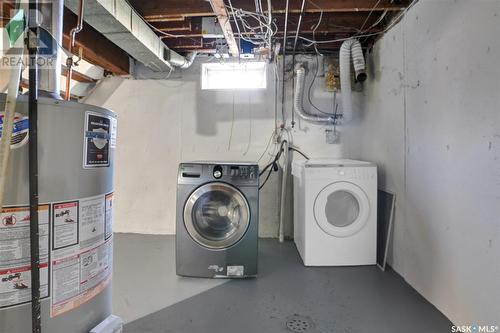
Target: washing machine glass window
{"points": [[341, 209], [216, 215]]}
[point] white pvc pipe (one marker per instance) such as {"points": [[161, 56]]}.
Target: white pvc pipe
{"points": [[281, 230], [8, 123], [350, 46]]}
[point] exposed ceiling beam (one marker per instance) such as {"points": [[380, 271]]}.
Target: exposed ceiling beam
{"points": [[333, 6], [158, 11], [78, 76], [219, 9], [330, 23], [184, 43], [184, 25]]}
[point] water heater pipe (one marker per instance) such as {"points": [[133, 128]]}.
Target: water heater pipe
{"points": [[49, 69], [69, 60], [350, 46], [300, 74], [33, 45]]}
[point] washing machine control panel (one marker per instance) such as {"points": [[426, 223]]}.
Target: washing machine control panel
{"points": [[236, 173], [190, 173], [218, 172], [243, 171]]}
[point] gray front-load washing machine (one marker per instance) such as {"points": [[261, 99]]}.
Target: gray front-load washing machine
{"points": [[217, 219]]}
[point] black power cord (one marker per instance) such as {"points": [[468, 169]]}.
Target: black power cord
{"points": [[310, 88], [298, 151], [273, 166]]}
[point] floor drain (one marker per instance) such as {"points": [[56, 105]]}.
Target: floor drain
{"points": [[298, 323]]}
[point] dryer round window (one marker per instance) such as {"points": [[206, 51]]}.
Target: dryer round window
{"points": [[341, 209], [216, 215]]}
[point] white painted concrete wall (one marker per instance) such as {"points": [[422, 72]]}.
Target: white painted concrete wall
{"points": [[164, 122], [431, 120]]}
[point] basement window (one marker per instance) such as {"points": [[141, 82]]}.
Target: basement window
{"points": [[225, 76]]}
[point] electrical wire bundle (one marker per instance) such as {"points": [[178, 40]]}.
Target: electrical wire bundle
{"points": [[364, 33], [254, 27]]}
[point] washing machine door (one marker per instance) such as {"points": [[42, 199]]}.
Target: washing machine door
{"points": [[216, 215], [341, 209]]}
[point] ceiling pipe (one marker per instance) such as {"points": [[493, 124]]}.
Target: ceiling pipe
{"points": [[69, 60], [298, 25]]}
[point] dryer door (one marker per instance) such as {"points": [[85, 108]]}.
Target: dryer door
{"points": [[341, 209], [216, 215]]}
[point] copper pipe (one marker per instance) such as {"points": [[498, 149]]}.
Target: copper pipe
{"points": [[69, 60]]}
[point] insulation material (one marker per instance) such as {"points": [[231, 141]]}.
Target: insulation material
{"points": [[332, 75]]}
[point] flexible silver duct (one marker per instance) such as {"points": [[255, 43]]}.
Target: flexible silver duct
{"points": [[350, 46], [189, 60], [179, 61], [300, 74]]}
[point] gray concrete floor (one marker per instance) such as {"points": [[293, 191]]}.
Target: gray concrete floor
{"points": [[342, 299]]}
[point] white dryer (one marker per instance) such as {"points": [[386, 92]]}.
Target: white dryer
{"points": [[335, 212]]}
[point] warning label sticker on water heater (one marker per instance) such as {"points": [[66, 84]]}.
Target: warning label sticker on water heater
{"points": [[81, 266], [98, 134], [15, 262], [20, 130], [76, 252]]}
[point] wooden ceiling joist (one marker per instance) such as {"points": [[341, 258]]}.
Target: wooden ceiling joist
{"points": [[185, 43], [78, 76], [186, 24], [158, 11], [331, 23], [219, 9]]}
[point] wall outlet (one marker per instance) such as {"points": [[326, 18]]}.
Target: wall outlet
{"points": [[332, 136]]}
